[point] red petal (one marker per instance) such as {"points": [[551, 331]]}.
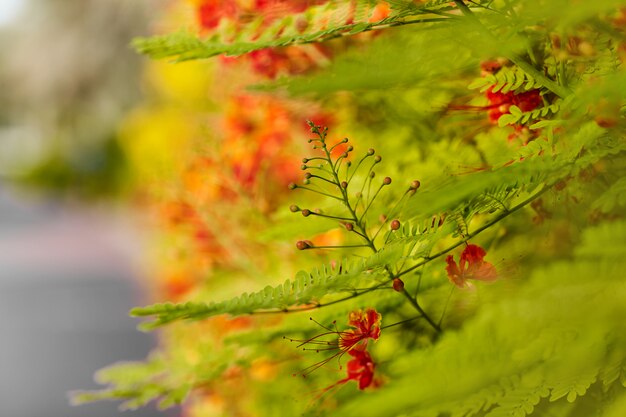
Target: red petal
{"points": [[486, 272], [472, 254], [366, 380], [454, 274]]}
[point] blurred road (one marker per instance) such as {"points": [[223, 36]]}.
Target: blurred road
{"points": [[66, 284]]}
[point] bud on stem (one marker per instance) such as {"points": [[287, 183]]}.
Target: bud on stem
{"points": [[398, 285]]}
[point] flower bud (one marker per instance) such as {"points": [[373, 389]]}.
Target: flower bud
{"points": [[294, 209], [305, 160], [344, 184], [349, 227], [303, 167], [386, 180], [303, 244], [372, 174], [292, 186], [395, 224], [370, 151], [415, 185], [306, 212], [308, 175], [398, 285], [378, 158]]}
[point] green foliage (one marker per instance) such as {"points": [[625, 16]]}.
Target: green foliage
{"points": [[613, 198], [415, 58], [136, 384], [505, 80], [493, 368], [305, 288], [321, 23], [517, 116]]}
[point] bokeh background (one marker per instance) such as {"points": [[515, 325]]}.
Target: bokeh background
{"points": [[69, 249]]}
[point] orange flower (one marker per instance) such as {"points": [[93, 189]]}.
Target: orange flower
{"points": [[471, 266], [381, 11]]}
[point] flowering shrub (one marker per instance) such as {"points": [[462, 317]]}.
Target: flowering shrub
{"points": [[392, 187]]}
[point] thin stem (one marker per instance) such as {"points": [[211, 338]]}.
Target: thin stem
{"points": [[321, 168], [356, 168], [328, 216], [400, 322], [371, 201], [338, 163], [390, 215], [338, 247], [415, 304], [319, 192], [346, 201], [319, 305], [341, 142], [359, 233], [478, 231], [445, 307], [324, 179]]}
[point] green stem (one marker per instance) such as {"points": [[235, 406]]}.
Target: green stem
{"points": [[415, 304], [477, 231]]}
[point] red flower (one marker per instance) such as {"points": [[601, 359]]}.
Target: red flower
{"points": [[210, 12], [366, 326], [360, 368], [471, 266], [499, 102]]}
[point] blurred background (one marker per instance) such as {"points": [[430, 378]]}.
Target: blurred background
{"points": [[69, 249]]}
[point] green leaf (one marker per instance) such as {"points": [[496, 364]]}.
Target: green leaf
{"points": [[322, 23], [305, 288]]}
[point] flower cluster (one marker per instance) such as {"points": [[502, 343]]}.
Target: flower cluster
{"points": [[361, 367], [272, 62], [365, 325], [269, 62]]}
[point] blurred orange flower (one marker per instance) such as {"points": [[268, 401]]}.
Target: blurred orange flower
{"points": [[471, 266]]}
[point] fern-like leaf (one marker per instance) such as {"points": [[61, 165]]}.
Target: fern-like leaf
{"points": [[306, 288], [505, 80], [321, 22]]}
